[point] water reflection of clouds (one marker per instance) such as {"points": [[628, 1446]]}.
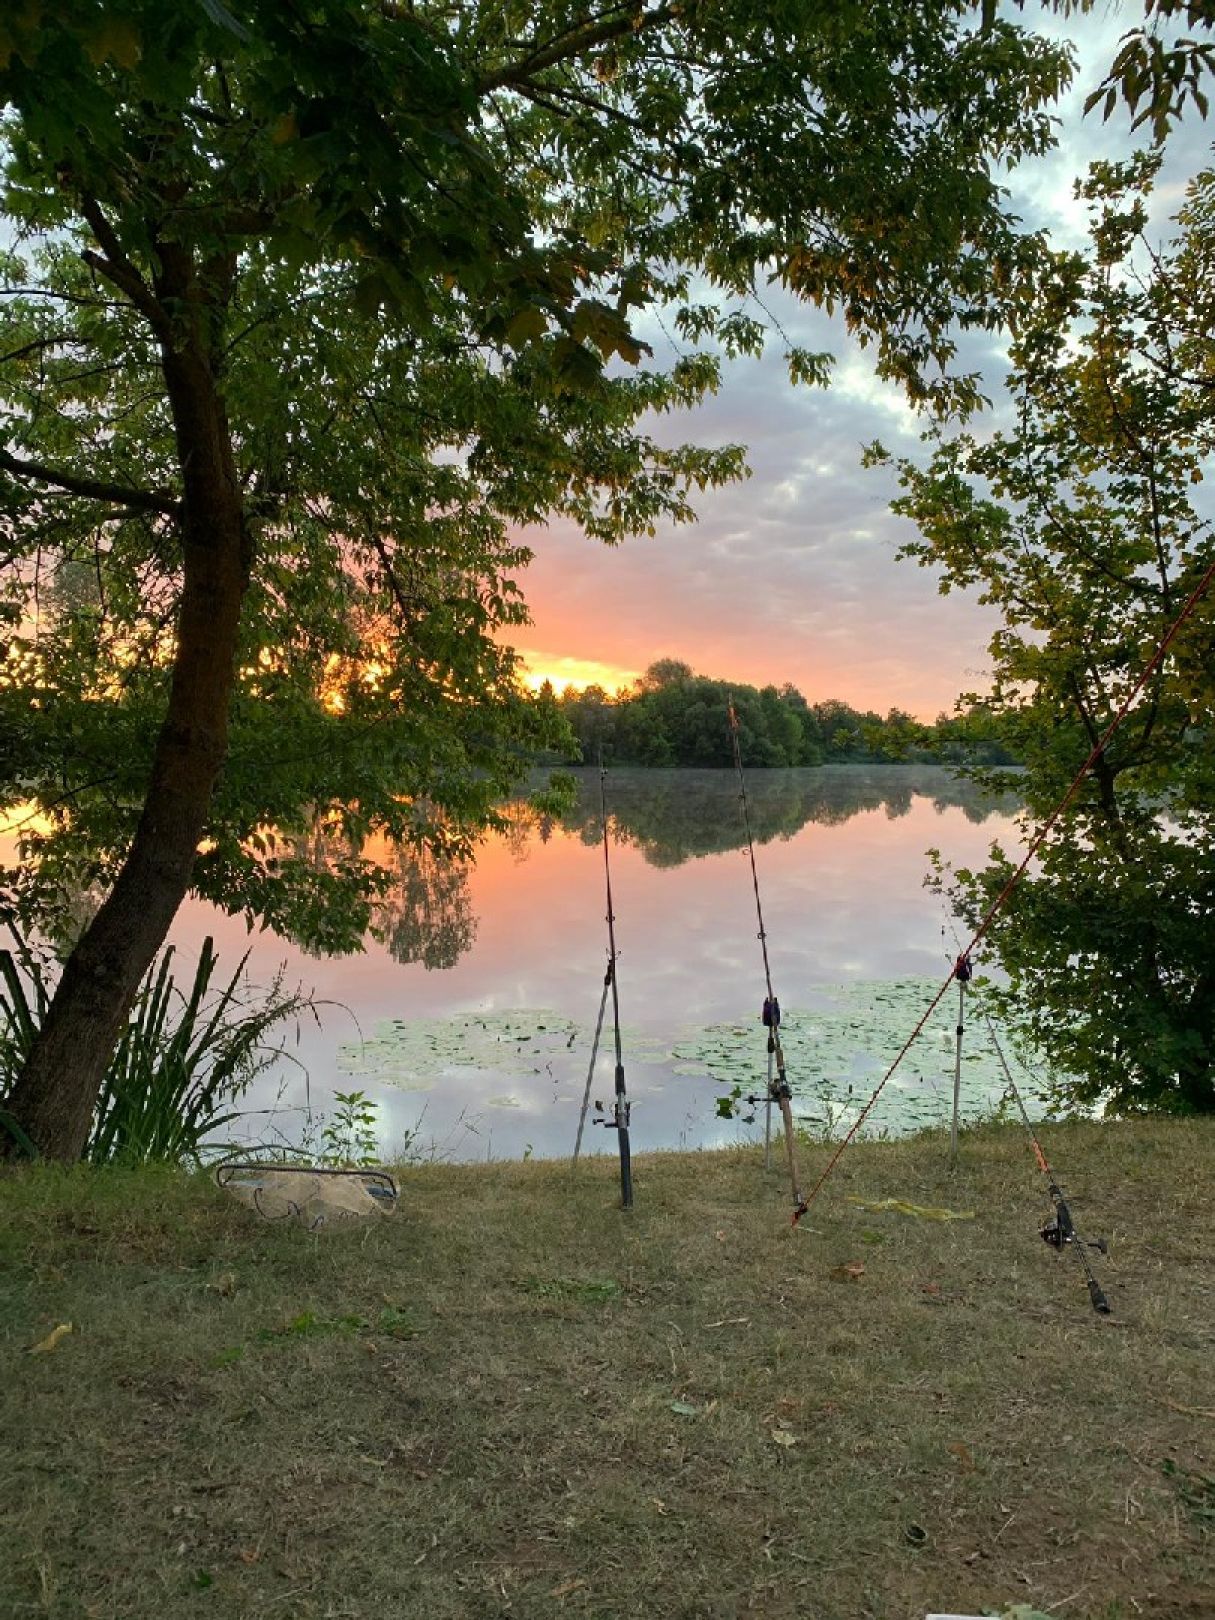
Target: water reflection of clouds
{"points": [[843, 900]]}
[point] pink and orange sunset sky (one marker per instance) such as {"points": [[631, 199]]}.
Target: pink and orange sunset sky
{"points": [[791, 575]]}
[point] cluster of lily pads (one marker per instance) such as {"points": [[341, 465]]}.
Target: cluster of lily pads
{"points": [[836, 1055], [836, 1052]]}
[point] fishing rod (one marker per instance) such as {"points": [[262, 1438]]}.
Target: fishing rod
{"points": [[779, 1090], [962, 973], [1060, 1231], [619, 1120]]}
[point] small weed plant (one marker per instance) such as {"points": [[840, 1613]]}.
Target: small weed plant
{"points": [[349, 1136]]}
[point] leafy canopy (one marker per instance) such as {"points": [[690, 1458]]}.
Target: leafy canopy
{"points": [[675, 717], [425, 253]]}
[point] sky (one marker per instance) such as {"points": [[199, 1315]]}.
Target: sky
{"points": [[792, 574]]}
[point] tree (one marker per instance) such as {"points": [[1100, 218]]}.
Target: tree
{"points": [[783, 726], [841, 728], [1079, 523], [898, 736], [314, 307], [810, 741], [1156, 75], [591, 717], [664, 672]]}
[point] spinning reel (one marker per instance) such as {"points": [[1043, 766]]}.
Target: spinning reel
{"points": [[1060, 1231]]}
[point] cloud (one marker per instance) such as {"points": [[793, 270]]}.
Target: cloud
{"points": [[791, 575]]}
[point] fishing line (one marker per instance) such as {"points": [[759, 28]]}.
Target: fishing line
{"points": [[779, 1091], [590, 1073]]}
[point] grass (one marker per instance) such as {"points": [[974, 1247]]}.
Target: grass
{"points": [[512, 1399]]}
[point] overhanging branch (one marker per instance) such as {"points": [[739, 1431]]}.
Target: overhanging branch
{"points": [[573, 44], [161, 501]]}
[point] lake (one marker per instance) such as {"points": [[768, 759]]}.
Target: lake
{"points": [[470, 1022]]}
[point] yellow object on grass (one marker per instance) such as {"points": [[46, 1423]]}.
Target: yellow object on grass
{"points": [[900, 1206], [44, 1346]]}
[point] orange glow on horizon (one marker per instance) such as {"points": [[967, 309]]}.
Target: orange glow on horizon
{"points": [[22, 817], [563, 672]]}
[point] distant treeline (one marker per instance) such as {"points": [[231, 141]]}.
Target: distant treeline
{"points": [[673, 716]]}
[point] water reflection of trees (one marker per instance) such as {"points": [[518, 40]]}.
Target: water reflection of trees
{"points": [[424, 912], [672, 816], [427, 915], [418, 905]]}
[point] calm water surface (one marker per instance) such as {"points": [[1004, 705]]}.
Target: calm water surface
{"points": [[471, 1025]]}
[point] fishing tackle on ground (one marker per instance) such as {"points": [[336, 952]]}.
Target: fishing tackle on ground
{"points": [[313, 1196], [1060, 1231], [779, 1090]]}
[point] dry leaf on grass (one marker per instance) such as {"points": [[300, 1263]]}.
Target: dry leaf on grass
{"points": [[566, 1588], [961, 1451], [1190, 1411], [783, 1437], [853, 1271], [51, 1340], [901, 1206]]}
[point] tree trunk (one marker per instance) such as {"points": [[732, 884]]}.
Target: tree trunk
{"points": [[55, 1095]]}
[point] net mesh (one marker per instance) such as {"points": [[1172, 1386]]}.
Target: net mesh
{"points": [[311, 1197]]}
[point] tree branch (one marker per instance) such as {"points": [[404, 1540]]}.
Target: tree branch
{"points": [[162, 501], [118, 269], [36, 346], [573, 44]]}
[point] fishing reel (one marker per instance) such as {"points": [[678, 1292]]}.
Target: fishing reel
{"points": [[616, 1118], [1059, 1233], [781, 1091], [1060, 1230]]}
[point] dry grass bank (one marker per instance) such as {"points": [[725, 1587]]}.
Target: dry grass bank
{"points": [[512, 1399]]}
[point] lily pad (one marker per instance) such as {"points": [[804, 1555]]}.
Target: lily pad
{"points": [[836, 1056], [416, 1054]]}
